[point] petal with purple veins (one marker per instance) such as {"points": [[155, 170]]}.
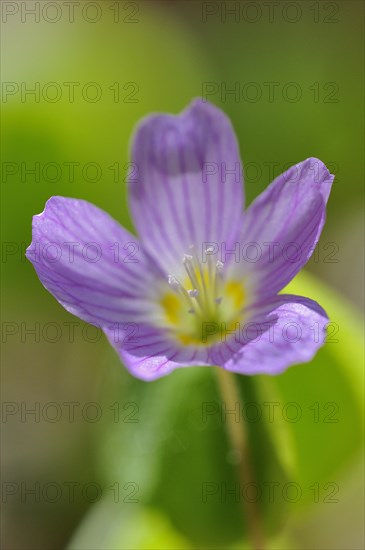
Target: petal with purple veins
{"points": [[297, 329], [94, 267], [282, 227], [189, 188], [149, 352]]}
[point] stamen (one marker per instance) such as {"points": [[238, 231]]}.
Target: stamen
{"points": [[177, 287], [189, 268], [193, 293], [196, 264], [205, 295], [199, 291], [187, 258], [211, 270], [173, 282]]}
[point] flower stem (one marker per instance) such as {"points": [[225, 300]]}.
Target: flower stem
{"points": [[238, 436]]}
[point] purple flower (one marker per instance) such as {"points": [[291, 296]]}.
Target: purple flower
{"points": [[200, 286]]}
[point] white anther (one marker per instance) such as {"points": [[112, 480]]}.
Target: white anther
{"points": [[173, 282], [187, 258], [219, 265], [193, 293]]}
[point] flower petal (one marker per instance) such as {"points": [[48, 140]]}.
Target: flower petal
{"points": [[282, 226], [93, 267], [281, 332], [297, 329], [189, 187], [148, 352]]}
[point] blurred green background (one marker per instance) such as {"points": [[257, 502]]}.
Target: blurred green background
{"points": [[96, 68]]}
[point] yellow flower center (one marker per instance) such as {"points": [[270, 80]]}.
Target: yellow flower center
{"points": [[204, 307]]}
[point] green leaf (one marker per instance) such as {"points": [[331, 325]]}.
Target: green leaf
{"points": [[113, 526], [181, 457]]}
